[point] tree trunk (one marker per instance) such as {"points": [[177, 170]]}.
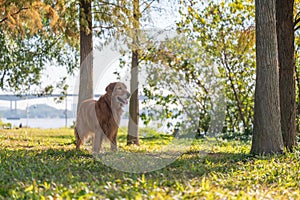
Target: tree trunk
{"points": [[286, 58], [267, 137], [133, 137], [86, 52]]}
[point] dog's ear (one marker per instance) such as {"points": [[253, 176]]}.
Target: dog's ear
{"points": [[110, 87]]}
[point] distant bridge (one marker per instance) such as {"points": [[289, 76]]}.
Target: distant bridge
{"points": [[15, 98]]}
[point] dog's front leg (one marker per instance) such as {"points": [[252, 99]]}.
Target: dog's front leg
{"points": [[113, 142], [97, 142]]}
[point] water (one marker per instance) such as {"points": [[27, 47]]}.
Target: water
{"points": [[42, 123], [45, 123]]}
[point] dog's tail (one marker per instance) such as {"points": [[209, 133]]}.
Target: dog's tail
{"points": [[78, 140]]}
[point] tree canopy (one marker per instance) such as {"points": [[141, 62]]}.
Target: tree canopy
{"points": [[35, 34]]}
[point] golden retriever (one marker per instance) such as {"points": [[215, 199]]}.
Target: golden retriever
{"points": [[101, 118]]}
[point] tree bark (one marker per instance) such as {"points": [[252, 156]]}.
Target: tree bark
{"points": [[267, 137], [285, 39], [86, 52], [133, 136]]}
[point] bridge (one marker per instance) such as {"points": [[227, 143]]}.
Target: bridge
{"points": [[16, 98]]}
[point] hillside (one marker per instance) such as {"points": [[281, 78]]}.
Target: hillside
{"points": [[37, 111]]}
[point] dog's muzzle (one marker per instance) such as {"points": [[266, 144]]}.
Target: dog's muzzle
{"points": [[124, 101]]}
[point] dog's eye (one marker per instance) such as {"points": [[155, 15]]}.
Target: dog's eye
{"points": [[119, 88]]}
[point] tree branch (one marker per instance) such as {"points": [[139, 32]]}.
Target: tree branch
{"points": [[105, 27], [112, 4], [295, 29], [2, 79], [235, 92], [16, 13], [147, 5], [297, 20]]}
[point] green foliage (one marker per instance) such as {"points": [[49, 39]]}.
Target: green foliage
{"points": [[180, 83], [22, 63], [5, 125], [225, 31], [114, 20], [297, 60], [297, 77], [42, 164], [35, 34], [208, 69]]}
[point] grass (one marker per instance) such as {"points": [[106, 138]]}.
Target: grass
{"points": [[42, 164]]}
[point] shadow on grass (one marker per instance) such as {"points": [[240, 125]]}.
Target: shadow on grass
{"points": [[66, 166], [149, 138], [196, 164], [70, 168], [61, 136]]}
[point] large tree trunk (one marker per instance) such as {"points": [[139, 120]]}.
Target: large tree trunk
{"points": [[133, 137], [267, 137], [285, 39], [86, 52]]}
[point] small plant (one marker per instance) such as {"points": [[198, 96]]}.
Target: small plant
{"points": [[5, 125]]}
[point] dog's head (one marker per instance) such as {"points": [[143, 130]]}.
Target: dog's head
{"points": [[118, 92]]}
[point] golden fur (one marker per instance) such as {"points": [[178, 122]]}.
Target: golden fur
{"points": [[101, 118]]}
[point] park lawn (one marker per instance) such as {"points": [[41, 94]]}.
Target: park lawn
{"points": [[42, 164]]}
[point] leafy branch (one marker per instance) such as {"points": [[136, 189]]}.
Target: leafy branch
{"points": [[16, 13]]}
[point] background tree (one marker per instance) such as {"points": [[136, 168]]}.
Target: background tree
{"points": [[297, 60], [86, 51], [217, 54], [135, 39], [226, 32], [267, 137], [105, 20], [286, 58], [132, 137]]}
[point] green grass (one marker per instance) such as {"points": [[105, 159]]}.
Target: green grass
{"points": [[42, 164]]}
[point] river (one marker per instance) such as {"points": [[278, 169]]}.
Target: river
{"points": [[45, 123], [41, 122]]}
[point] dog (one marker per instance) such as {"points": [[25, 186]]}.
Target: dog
{"points": [[101, 118]]}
